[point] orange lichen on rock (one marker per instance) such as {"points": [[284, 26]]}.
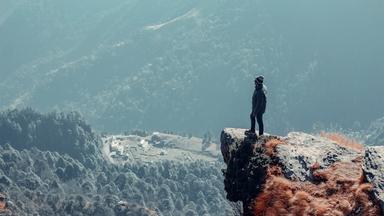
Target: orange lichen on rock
{"points": [[339, 190], [315, 166], [2, 202], [343, 141], [270, 146]]}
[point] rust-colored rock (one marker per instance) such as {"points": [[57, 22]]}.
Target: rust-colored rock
{"points": [[300, 174], [2, 202]]}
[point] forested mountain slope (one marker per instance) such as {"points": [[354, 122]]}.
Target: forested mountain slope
{"points": [[54, 164], [172, 64]]}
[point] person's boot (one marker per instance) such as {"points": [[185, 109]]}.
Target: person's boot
{"points": [[251, 135], [250, 132]]}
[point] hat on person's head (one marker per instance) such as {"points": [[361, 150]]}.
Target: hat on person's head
{"points": [[260, 79]]}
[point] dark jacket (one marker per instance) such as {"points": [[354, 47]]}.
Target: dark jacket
{"points": [[259, 100]]}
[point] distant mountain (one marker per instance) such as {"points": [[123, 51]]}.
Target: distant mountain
{"points": [[182, 65], [375, 133]]}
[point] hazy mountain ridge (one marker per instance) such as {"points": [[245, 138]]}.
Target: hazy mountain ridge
{"points": [[375, 133], [146, 58], [127, 73]]}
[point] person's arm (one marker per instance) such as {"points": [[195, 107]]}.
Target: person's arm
{"points": [[257, 103]]}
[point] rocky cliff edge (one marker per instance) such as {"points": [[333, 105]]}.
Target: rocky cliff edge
{"points": [[302, 174]]}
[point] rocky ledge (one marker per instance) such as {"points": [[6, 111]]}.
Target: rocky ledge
{"points": [[302, 174]]}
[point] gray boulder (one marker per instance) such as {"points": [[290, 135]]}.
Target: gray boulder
{"points": [[374, 171], [301, 151]]}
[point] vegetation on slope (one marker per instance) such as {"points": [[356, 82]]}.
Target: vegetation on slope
{"points": [[45, 169]]}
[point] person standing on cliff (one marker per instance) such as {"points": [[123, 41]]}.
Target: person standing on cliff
{"points": [[259, 104]]}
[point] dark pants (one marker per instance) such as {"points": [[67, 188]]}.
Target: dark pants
{"points": [[259, 118]]}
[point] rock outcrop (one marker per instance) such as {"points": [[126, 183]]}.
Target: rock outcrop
{"points": [[302, 174]]}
